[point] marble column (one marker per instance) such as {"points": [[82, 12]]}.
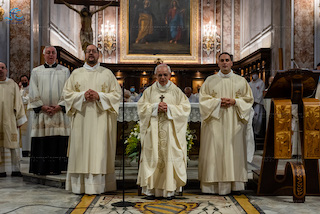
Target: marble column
{"points": [[227, 26], [304, 33], [4, 33], [20, 40], [237, 32]]}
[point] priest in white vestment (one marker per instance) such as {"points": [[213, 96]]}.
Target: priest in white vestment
{"points": [[12, 116], [92, 95], [225, 105], [25, 129], [163, 111], [192, 98], [50, 124], [258, 87]]}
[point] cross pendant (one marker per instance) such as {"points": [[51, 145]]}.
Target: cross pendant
{"points": [[161, 98]]}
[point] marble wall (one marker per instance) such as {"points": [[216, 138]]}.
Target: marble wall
{"points": [[64, 27], [255, 25], [20, 40]]}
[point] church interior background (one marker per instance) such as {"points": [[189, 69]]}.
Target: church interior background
{"points": [[264, 35]]}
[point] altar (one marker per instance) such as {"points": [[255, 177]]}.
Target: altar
{"points": [[131, 113], [131, 117]]}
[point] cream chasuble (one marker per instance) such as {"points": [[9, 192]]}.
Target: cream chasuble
{"points": [[223, 151], [46, 85], [12, 114], [92, 140], [163, 159]]}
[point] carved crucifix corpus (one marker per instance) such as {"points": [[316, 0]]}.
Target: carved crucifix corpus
{"points": [[86, 33]]}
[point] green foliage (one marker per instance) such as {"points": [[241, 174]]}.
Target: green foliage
{"points": [[133, 142]]}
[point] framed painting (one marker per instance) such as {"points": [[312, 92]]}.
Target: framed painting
{"points": [[166, 29]]}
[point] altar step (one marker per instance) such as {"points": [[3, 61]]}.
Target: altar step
{"points": [[131, 173]]}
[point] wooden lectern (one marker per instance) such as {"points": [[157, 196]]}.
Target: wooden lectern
{"points": [[299, 178]]}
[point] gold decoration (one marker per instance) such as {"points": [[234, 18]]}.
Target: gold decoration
{"points": [[158, 61], [77, 87], [311, 121], [160, 206], [34, 99], [162, 146], [238, 93], [299, 180], [282, 129], [103, 88], [214, 94], [14, 137]]}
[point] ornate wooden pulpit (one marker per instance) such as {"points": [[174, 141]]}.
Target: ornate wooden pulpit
{"points": [[300, 178]]}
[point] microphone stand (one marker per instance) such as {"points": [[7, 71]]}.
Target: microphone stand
{"points": [[123, 203]]}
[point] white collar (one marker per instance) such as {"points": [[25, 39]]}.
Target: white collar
{"points": [[4, 80], [165, 87], [225, 75], [88, 67]]}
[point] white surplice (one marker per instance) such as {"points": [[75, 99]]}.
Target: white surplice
{"points": [[46, 85]]}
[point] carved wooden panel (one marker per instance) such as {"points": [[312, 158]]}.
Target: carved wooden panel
{"points": [[282, 129], [311, 108]]}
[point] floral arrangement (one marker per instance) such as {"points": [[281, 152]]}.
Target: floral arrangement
{"points": [[133, 141]]}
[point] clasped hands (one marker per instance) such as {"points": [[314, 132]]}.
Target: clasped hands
{"points": [[51, 110], [227, 102], [162, 107], [91, 95]]}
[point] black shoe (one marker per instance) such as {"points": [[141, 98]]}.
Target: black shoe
{"points": [[3, 174], [149, 197], [170, 198], [16, 174]]}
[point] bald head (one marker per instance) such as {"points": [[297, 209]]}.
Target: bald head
{"points": [[188, 91], [50, 55], [3, 71]]}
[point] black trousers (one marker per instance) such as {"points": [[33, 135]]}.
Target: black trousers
{"points": [[48, 155]]}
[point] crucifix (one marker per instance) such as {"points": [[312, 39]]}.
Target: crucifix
{"points": [[86, 33], [161, 98]]}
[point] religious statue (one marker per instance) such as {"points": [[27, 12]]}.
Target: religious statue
{"points": [[86, 33]]}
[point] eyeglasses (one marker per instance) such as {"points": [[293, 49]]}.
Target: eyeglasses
{"points": [[50, 52], [91, 50]]}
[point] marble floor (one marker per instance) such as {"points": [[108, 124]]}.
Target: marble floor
{"points": [[20, 196]]}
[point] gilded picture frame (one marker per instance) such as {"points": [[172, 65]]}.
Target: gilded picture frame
{"points": [[152, 29]]}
